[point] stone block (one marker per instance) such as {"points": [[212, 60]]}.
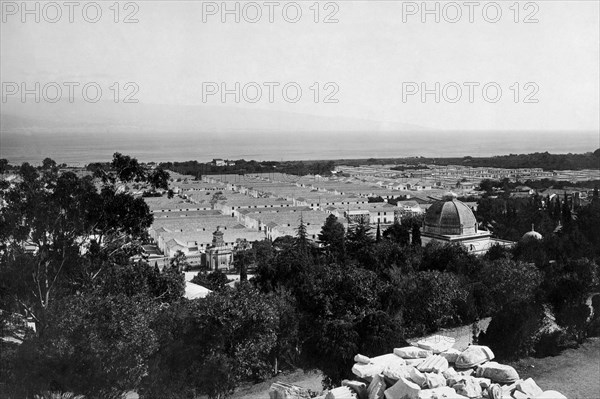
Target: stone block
{"points": [[282, 390], [434, 364], [451, 355], [342, 392], [395, 371], [484, 382], [468, 387], [377, 365], [362, 359], [414, 362], [497, 372], [519, 395], [412, 352], [494, 391], [417, 377], [529, 388], [376, 388], [434, 380], [438, 393], [403, 389], [474, 355], [360, 388]]}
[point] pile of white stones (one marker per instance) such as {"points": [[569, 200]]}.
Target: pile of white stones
{"points": [[432, 369]]}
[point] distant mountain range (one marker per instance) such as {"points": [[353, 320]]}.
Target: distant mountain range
{"points": [[64, 117]]}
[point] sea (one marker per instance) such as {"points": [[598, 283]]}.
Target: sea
{"points": [[81, 149]]}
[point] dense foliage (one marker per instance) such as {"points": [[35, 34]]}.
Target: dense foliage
{"points": [[242, 167], [106, 324], [542, 160]]}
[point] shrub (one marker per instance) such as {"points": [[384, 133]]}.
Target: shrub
{"points": [[512, 331], [431, 300]]}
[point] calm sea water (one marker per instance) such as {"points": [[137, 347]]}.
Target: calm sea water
{"points": [[85, 148]]}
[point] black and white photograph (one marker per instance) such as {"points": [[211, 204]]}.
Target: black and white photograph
{"points": [[299, 199]]}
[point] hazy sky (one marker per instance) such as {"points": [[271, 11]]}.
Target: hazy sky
{"points": [[371, 55]]}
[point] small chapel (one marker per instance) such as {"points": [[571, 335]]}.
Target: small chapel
{"points": [[218, 256]]}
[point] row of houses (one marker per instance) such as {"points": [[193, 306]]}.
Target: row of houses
{"points": [[209, 220]]}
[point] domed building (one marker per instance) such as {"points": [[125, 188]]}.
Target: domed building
{"points": [[531, 235], [452, 221]]}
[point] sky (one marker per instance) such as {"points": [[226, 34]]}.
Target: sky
{"points": [[363, 63]]}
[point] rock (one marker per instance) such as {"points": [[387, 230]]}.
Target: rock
{"points": [[451, 355], [507, 390], [473, 356], [468, 387], [450, 372], [436, 343], [360, 388], [394, 372], [551, 395], [494, 391], [377, 365], [417, 377], [362, 370], [340, 393], [414, 362], [434, 364], [467, 373], [529, 388], [412, 352], [438, 393], [434, 380], [497, 372], [376, 388], [282, 390], [519, 395], [484, 382], [362, 359], [403, 389]]}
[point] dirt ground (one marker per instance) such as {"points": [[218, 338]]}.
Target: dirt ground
{"points": [[310, 380], [575, 373]]}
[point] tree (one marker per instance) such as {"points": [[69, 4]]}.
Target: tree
{"points": [[179, 261], [510, 282], [48, 164], [301, 242], [338, 304], [3, 165], [359, 242], [209, 345], [62, 232], [242, 260], [124, 169], [416, 235], [332, 236], [431, 300], [398, 233], [214, 281], [487, 185], [94, 345]]}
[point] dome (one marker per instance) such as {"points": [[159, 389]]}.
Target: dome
{"points": [[532, 235], [450, 217]]}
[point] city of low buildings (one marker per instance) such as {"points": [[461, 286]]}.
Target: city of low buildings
{"points": [[208, 220]]}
